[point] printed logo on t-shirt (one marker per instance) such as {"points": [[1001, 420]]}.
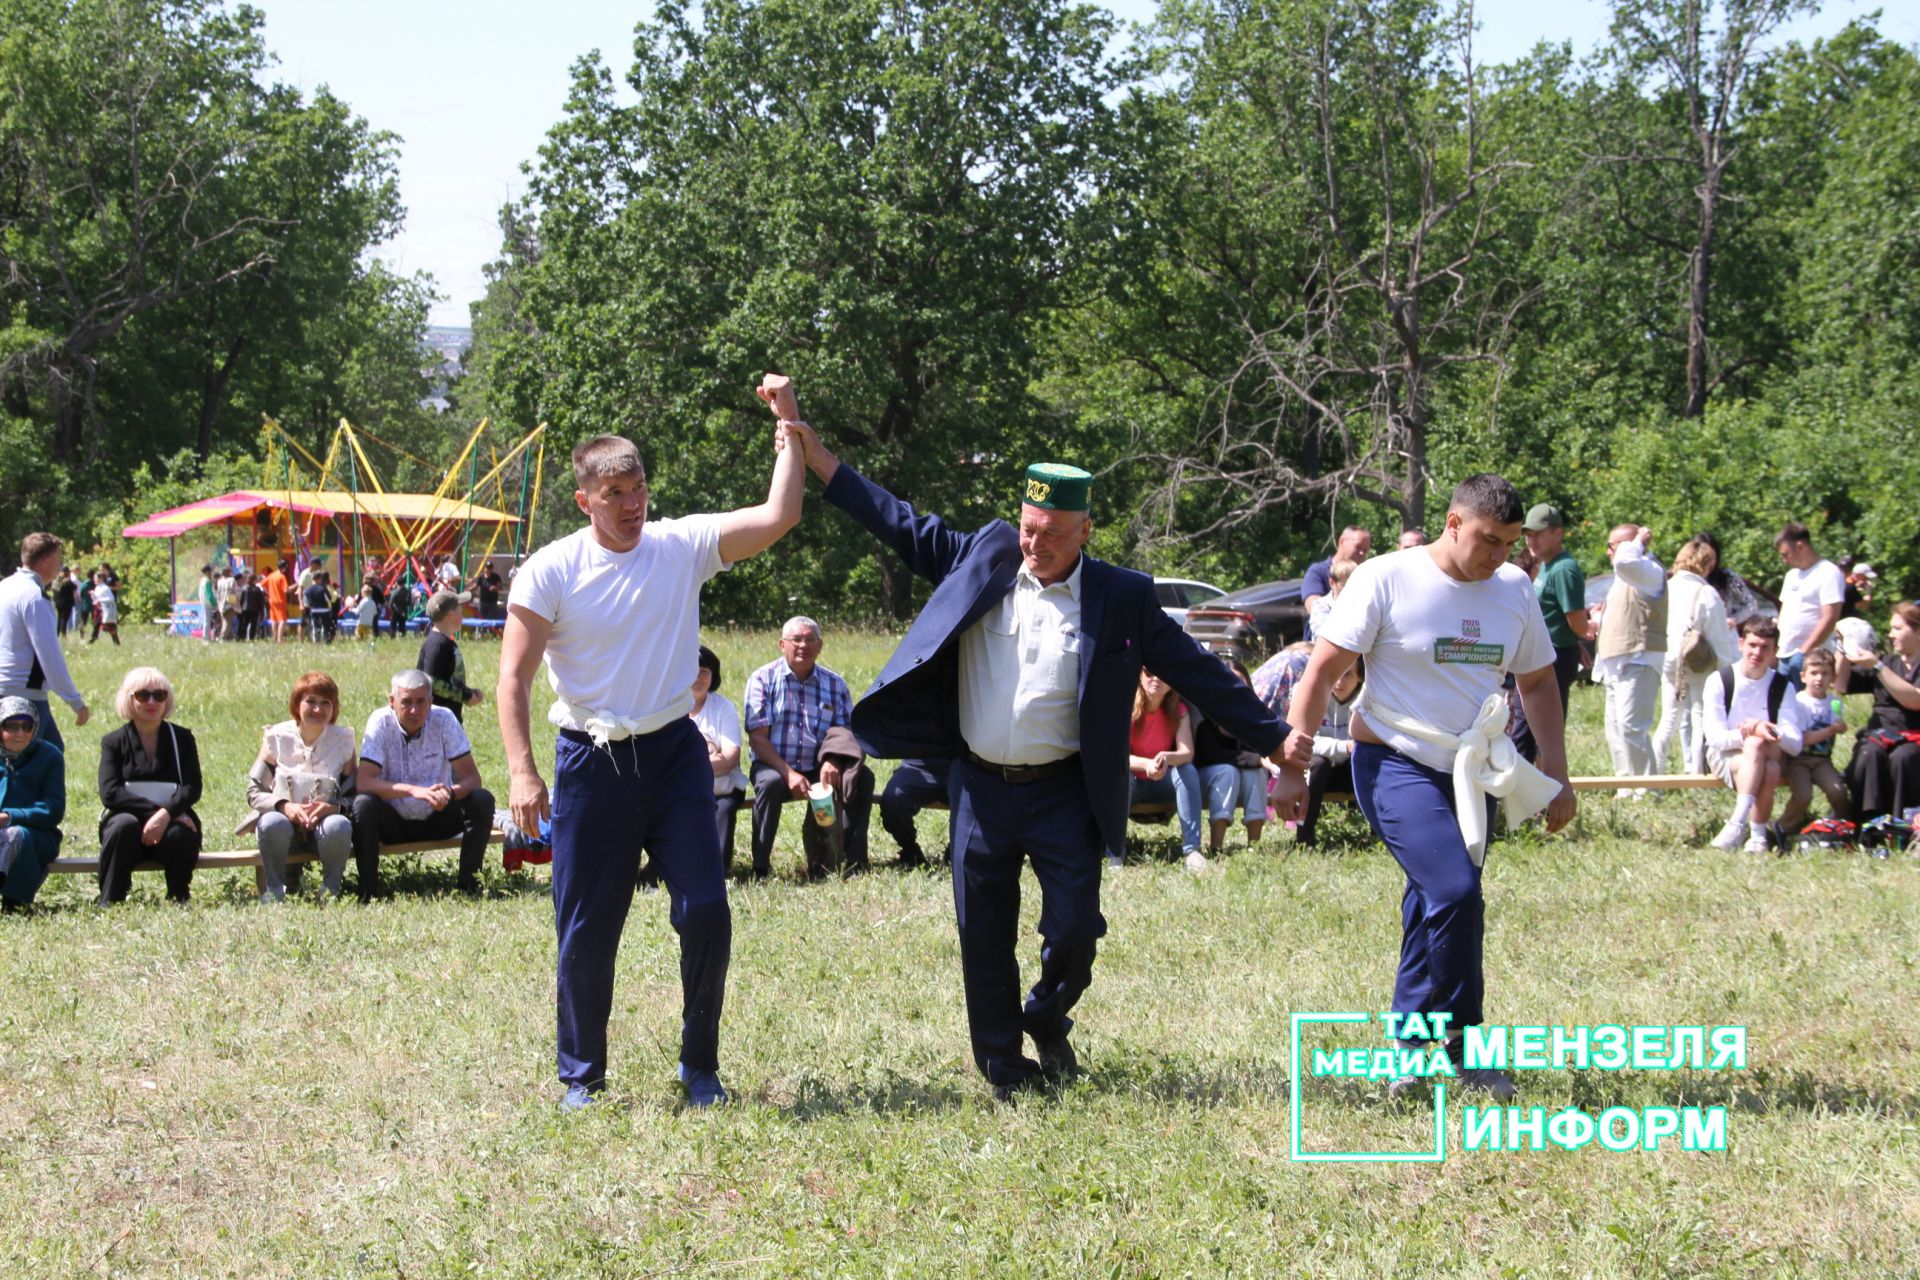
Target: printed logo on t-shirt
{"points": [[1467, 650]]}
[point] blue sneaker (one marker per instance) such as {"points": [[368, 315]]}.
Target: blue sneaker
{"points": [[703, 1087], [578, 1098]]}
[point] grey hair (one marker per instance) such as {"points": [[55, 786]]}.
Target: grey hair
{"points": [[411, 678], [800, 620]]}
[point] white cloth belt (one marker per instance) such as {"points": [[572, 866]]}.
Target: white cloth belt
{"points": [[607, 726], [1485, 763]]}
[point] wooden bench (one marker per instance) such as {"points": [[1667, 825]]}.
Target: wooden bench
{"points": [[228, 858]]}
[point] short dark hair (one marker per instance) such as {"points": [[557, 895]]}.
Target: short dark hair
{"points": [[37, 546], [711, 661], [1489, 496], [1792, 531], [1765, 628]]}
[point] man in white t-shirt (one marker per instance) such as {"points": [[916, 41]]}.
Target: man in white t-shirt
{"points": [[1750, 729], [1440, 627], [1811, 598], [615, 610]]}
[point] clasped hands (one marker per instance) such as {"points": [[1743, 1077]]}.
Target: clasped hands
{"points": [[309, 815], [438, 795]]}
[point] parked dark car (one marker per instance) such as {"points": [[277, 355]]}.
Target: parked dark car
{"points": [[1252, 623]]}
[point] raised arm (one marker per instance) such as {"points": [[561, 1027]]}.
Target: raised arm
{"points": [[751, 530], [522, 645], [925, 542]]}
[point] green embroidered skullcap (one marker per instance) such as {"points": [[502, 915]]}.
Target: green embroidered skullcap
{"points": [[1055, 486]]}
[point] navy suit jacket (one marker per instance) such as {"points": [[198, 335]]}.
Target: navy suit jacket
{"points": [[913, 708]]}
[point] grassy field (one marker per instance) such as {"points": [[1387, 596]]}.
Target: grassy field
{"points": [[231, 1090]]}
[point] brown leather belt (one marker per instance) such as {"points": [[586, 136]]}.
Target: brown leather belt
{"points": [[1026, 772]]}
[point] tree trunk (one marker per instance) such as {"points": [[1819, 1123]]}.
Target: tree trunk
{"points": [[213, 396], [896, 585], [1699, 280]]}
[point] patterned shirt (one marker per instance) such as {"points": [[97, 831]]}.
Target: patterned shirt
{"points": [[1273, 681], [796, 713], [424, 760]]}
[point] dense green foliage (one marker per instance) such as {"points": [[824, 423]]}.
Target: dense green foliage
{"points": [[1270, 267], [1283, 265], [182, 251]]}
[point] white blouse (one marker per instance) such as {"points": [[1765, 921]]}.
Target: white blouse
{"points": [[302, 772]]}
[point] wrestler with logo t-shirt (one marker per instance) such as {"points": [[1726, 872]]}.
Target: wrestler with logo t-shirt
{"points": [[615, 610], [1441, 626]]}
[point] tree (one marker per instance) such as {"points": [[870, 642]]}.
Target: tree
{"points": [[183, 248], [122, 121], [875, 197], [1678, 112], [1360, 130]]}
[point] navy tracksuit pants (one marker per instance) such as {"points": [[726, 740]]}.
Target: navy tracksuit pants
{"points": [[996, 825], [653, 792], [1442, 915]]}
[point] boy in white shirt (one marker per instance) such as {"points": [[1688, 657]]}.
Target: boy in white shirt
{"points": [[1750, 728], [1440, 627], [1813, 766]]}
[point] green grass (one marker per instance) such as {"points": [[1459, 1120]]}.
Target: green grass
{"points": [[229, 1090]]}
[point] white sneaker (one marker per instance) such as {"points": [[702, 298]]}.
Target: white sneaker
{"points": [[1757, 842], [1196, 861], [1114, 862], [1730, 836]]}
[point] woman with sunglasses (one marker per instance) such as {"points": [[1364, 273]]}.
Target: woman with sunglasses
{"points": [[149, 782]]}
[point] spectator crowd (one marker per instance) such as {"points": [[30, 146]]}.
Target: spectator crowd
{"points": [[1697, 667]]}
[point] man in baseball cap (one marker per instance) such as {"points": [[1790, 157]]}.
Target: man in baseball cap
{"points": [[1562, 590]]}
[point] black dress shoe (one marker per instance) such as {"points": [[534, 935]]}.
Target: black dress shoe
{"points": [[1010, 1093], [1057, 1061]]}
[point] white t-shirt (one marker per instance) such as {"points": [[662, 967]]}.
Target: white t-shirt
{"points": [[720, 720], [1749, 703], [109, 607], [626, 625], [1435, 647], [1801, 595]]}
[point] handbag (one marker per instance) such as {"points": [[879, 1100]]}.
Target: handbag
{"points": [[158, 793], [1696, 651]]}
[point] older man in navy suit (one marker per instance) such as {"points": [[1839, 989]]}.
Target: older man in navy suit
{"points": [[1022, 668]]}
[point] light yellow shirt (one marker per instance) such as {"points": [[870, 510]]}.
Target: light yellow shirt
{"points": [[1020, 674]]}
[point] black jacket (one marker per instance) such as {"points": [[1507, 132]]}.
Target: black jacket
{"points": [[123, 760]]}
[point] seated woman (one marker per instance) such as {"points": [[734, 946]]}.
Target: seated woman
{"points": [[33, 800], [719, 723], [1884, 775], [1232, 776], [149, 783], [1160, 754], [301, 789], [1332, 751]]}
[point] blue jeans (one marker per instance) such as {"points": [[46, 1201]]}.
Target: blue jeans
{"points": [[1181, 785], [1230, 787]]}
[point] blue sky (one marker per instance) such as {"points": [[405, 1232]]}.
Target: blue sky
{"points": [[471, 89]]}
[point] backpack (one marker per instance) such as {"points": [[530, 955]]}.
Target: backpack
{"points": [[1828, 833], [1776, 693]]}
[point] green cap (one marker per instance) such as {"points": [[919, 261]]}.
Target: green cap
{"points": [[1056, 486], [1543, 516]]}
